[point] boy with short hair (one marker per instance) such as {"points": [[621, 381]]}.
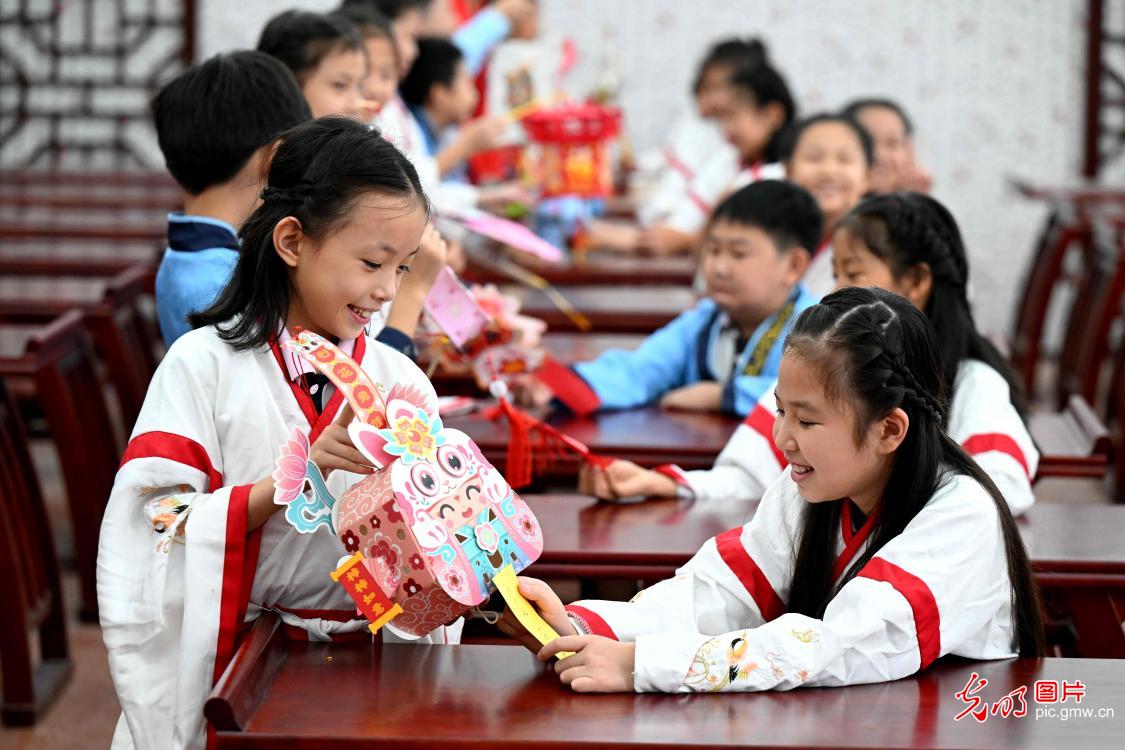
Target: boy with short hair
{"points": [[216, 123], [723, 354]]}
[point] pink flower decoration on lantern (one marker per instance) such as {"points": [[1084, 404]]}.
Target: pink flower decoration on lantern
{"points": [[453, 581], [487, 539], [292, 467], [417, 562]]}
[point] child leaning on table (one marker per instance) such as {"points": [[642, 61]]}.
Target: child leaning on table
{"points": [[882, 547], [721, 355]]}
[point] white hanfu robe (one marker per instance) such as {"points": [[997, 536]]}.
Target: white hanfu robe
{"points": [[981, 419], [178, 571], [941, 587]]}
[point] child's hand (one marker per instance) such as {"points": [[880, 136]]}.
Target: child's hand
{"points": [[613, 235], [706, 396], [431, 257], [334, 448], [599, 664], [497, 198], [663, 240], [455, 256], [624, 479], [530, 392], [550, 607], [482, 133]]}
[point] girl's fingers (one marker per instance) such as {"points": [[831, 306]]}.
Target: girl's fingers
{"points": [[573, 643], [346, 416]]}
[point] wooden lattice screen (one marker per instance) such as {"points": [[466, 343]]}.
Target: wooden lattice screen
{"points": [[76, 77]]}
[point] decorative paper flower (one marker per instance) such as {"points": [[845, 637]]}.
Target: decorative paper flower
{"points": [[529, 530], [413, 436], [487, 539], [350, 540], [391, 509], [411, 587], [292, 467], [453, 582], [417, 562]]}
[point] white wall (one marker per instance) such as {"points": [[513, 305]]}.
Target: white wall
{"points": [[995, 89]]}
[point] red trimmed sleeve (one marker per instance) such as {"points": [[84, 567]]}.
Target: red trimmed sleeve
{"points": [[568, 386], [174, 448], [749, 574], [590, 621], [927, 621]]}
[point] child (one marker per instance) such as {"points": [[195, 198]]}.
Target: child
{"points": [[722, 354], [758, 110], [830, 156], [326, 55], [909, 244], [379, 45], [215, 123], [881, 549], [190, 545], [895, 167], [697, 138]]}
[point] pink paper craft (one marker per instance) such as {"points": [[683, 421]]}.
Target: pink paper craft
{"points": [[452, 307], [513, 234]]}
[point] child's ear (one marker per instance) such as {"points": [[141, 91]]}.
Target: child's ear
{"points": [[892, 431], [797, 263], [775, 115], [287, 236], [919, 280]]}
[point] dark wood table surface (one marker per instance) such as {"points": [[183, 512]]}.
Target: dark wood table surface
{"points": [[1077, 551], [567, 347], [650, 436], [592, 269], [614, 309], [359, 696]]}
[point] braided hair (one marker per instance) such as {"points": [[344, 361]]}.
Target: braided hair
{"points": [[905, 230], [316, 175], [875, 351]]}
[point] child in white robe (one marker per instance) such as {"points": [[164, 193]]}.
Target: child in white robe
{"points": [[882, 548], [910, 244], [191, 545]]}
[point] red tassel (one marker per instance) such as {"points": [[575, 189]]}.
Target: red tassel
{"points": [[533, 445]]}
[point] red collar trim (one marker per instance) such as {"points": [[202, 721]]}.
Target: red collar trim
{"points": [[317, 421], [852, 541]]}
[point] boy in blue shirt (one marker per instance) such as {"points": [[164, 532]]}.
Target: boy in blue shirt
{"points": [[723, 354], [216, 123]]}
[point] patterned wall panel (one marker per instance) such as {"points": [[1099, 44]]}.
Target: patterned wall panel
{"points": [[76, 77]]}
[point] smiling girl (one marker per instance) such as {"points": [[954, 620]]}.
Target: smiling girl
{"points": [[882, 548], [340, 223], [830, 156]]}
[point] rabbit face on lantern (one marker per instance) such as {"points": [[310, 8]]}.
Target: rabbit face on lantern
{"points": [[435, 522]]}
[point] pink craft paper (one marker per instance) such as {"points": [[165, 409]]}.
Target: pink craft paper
{"points": [[515, 235], [452, 307]]}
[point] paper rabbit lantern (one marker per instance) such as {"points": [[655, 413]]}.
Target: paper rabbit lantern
{"points": [[435, 522]]}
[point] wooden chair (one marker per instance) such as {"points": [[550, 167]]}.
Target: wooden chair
{"points": [[1115, 417], [59, 361], [1096, 306], [124, 336], [1062, 231], [1072, 442], [29, 582]]}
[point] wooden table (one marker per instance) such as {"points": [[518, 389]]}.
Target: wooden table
{"points": [[650, 436], [619, 309], [592, 269], [360, 696], [1077, 551], [566, 347]]}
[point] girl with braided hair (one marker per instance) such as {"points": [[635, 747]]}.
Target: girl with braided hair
{"points": [[907, 243], [191, 546], [882, 547]]}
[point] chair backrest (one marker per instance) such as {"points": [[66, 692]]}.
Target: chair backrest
{"points": [[1062, 230]]}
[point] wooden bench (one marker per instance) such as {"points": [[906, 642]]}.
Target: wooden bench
{"points": [[29, 583], [459, 697], [58, 362]]}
